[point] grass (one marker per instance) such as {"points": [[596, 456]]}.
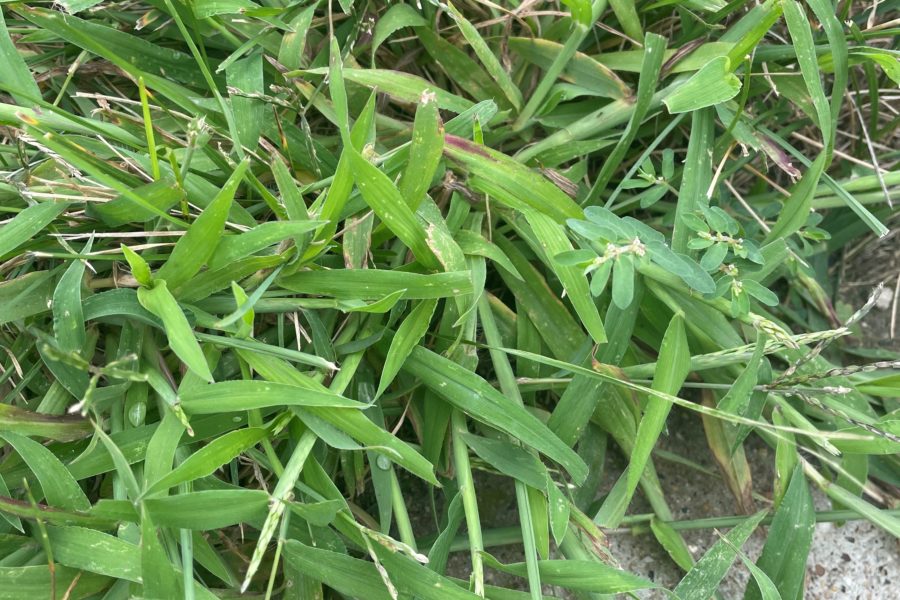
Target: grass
{"points": [[280, 278]]}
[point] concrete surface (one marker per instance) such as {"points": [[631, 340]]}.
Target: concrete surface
{"points": [[855, 560]]}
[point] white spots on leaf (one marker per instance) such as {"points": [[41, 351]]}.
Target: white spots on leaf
{"points": [[427, 97]]}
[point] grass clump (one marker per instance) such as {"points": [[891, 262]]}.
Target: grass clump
{"points": [[276, 274]]}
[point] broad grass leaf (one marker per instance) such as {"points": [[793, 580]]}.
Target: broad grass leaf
{"points": [[192, 510], [293, 43], [15, 74], [36, 581], [395, 18], [385, 199], [801, 35], [210, 281], [580, 575], [232, 248], [351, 421], [95, 460], [120, 302], [245, 78], [842, 496], [747, 32], [789, 540], [209, 458], [511, 182], [408, 335], [203, 9], [354, 577], [473, 395], [882, 57], [319, 514], [488, 58], [27, 224], [440, 549], [7, 515], [425, 152], [553, 241], [68, 315], [629, 61], [269, 349], [337, 89], [208, 557], [473, 244], [160, 302], [24, 296], [157, 570], [123, 470], [162, 194], [713, 84], [134, 54], [341, 186], [672, 542], [403, 87], [730, 457], [464, 71], [626, 13], [581, 69], [581, 11], [95, 552], [673, 367], [559, 330], [579, 402], [703, 579], [161, 448], [78, 156], [767, 588], [510, 459], [233, 396], [654, 52], [375, 284], [559, 511], [738, 397], [60, 488], [695, 177], [197, 245]]}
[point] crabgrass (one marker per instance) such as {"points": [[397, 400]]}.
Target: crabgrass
{"points": [[265, 264]]}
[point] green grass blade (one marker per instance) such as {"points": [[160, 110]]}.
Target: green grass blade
{"points": [[654, 52], [488, 58], [553, 241], [208, 459], [16, 73], [68, 315], [195, 247], [695, 178], [783, 557], [386, 200], [232, 396], [59, 487], [586, 576], [372, 284], [408, 335], [159, 301], [425, 152], [27, 224], [702, 581], [470, 393]]}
